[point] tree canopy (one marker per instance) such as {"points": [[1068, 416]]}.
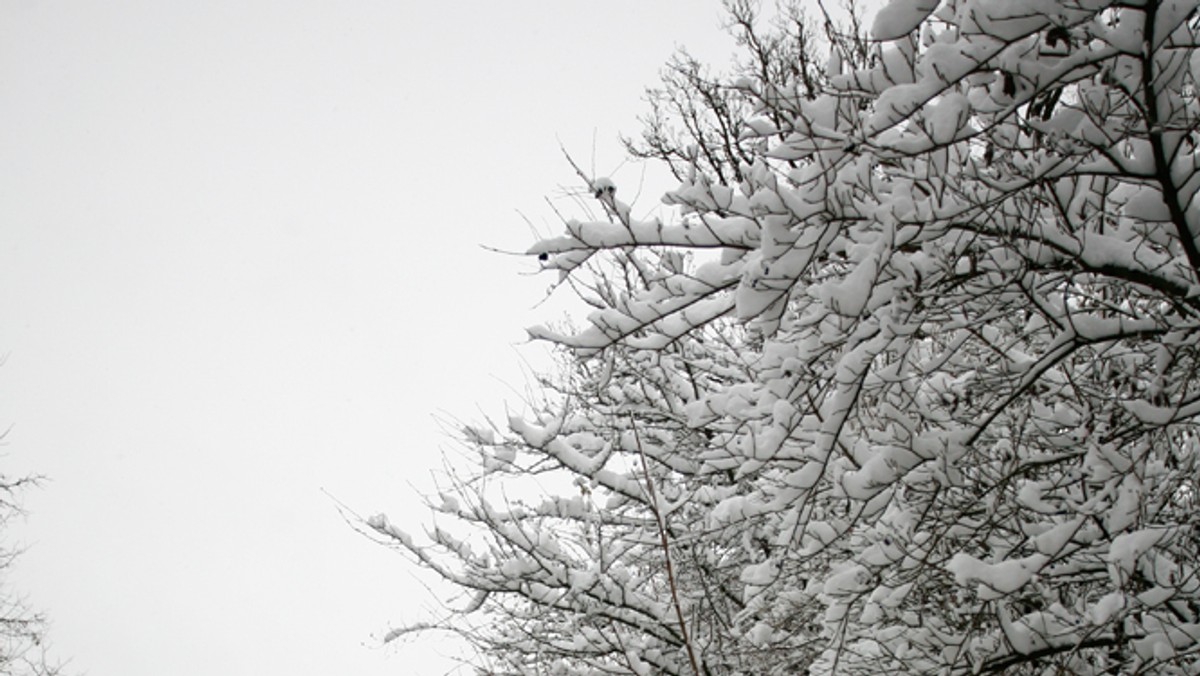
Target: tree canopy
{"points": [[908, 384]]}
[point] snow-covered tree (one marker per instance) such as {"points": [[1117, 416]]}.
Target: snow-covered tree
{"points": [[910, 384]]}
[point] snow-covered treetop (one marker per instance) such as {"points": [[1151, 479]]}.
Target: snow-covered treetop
{"points": [[910, 383]]}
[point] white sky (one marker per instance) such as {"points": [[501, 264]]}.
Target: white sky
{"points": [[239, 265]]}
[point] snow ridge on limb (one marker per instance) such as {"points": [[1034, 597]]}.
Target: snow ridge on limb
{"points": [[913, 374]]}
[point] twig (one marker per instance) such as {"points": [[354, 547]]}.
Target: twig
{"points": [[662, 534]]}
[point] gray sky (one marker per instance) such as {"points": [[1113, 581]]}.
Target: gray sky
{"points": [[239, 265]]}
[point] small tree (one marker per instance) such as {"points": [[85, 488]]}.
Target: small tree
{"points": [[22, 631], [910, 384]]}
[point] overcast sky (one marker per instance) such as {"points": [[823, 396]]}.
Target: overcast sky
{"points": [[240, 273]]}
